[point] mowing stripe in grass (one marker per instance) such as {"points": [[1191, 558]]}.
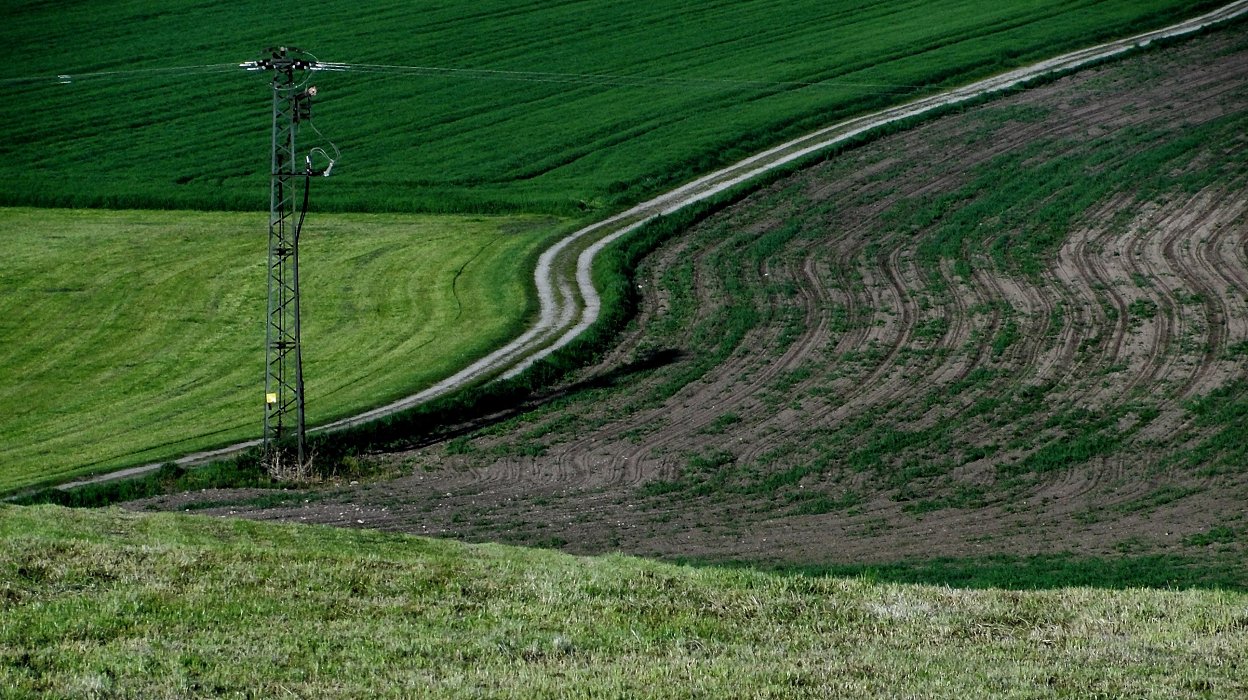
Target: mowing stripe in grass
{"points": [[136, 336]]}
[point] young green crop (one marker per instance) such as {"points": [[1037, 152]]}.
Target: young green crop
{"points": [[688, 87], [137, 336]]}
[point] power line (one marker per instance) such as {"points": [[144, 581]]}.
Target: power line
{"points": [[122, 74], [601, 78], [609, 79]]}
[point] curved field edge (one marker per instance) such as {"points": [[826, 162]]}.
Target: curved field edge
{"points": [[131, 337], [105, 602], [709, 86]]}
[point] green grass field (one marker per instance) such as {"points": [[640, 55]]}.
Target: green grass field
{"points": [[136, 336], [111, 604], [696, 85]]}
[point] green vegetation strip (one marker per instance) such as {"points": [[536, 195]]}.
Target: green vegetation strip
{"points": [[131, 337], [694, 86], [113, 604]]}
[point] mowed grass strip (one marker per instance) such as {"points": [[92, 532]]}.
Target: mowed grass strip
{"points": [[687, 86], [136, 336], [114, 604]]}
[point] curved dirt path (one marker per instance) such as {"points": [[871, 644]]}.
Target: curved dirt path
{"points": [[569, 304]]}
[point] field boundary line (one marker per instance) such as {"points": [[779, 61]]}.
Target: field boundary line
{"points": [[558, 322]]}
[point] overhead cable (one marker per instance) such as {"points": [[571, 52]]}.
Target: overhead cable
{"points": [[71, 77], [617, 80], [603, 78]]}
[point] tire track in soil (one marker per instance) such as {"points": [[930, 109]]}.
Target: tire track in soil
{"points": [[696, 416], [1203, 273], [791, 421], [1159, 261]]}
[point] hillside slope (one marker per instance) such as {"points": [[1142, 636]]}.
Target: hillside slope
{"points": [[1019, 330], [110, 604]]}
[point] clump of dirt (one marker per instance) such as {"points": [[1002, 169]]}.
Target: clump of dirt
{"points": [[983, 335]]}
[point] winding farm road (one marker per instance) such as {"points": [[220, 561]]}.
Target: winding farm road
{"points": [[569, 303]]}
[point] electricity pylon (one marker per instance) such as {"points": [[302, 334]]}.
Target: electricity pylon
{"points": [[283, 375]]}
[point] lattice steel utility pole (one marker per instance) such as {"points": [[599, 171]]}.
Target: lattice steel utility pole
{"points": [[283, 376]]}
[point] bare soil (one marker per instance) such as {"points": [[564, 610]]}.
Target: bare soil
{"points": [[877, 400]]}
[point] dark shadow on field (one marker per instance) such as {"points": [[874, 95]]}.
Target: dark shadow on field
{"points": [[466, 424], [1037, 572]]}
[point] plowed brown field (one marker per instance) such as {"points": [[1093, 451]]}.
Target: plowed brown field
{"points": [[1003, 331]]}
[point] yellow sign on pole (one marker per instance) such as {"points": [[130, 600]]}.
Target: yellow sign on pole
{"points": [[270, 398]]}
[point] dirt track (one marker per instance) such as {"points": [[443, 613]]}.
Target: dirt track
{"points": [[872, 404]]}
